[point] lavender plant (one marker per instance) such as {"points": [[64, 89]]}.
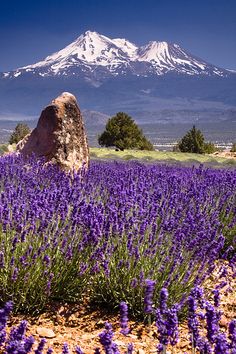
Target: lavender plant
{"points": [[104, 232]]}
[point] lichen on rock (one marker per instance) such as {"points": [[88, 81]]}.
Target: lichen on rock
{"points": [[60, 135]]}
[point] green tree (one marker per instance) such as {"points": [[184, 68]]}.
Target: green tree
{"points": [[20, 131], [193, 141], [123, 133]]}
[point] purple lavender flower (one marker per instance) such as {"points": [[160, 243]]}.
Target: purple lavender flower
{"points": [[212, 319], [172, 325], [221, 345], [3, 336], [106, 338], [130, 348], [216, 293], [148, 296], [17, 333], [40, 347], [163, 299], [46, 259], [134, 283], [124, 318], [65, 349], [78, 350], [5, 312], [162, 331], [160, 218], [15, 274], [193, 323], [232, 335], [28, 344], [204, 346], [114, 348]]}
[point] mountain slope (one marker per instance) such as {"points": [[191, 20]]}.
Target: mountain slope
{"points": [[93, 56], [150, 82]]}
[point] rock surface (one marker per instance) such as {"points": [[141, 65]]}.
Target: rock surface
{"points": [[45, 332], [59, 136]]}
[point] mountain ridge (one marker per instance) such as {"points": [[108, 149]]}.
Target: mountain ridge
{"points": [[95, 56], [110, 75]]}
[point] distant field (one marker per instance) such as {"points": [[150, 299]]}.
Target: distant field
{"points": [[166, 156], [154, 156]]}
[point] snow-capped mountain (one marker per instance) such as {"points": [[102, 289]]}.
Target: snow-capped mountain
{"points": [[111, 75], [93, 56]]}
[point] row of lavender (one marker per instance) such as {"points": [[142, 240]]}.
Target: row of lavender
{"points": [[205, 334], [103, 233]]}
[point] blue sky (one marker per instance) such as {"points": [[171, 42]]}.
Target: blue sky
{"points": [[31, 30]]}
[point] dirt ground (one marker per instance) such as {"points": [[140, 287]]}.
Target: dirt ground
{"points": [[226, 154], [80, 325]]}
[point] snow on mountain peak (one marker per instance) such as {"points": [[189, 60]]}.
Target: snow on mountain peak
{"points": [[91, 51], [154, 51]]}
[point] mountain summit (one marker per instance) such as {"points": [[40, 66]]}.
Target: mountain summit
{"points": [[111, 75], [95, 56]]}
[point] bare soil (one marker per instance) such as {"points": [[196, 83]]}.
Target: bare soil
{"points": [[81, 324]]}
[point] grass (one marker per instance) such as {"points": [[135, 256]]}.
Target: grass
{"points": [[152, 156]]}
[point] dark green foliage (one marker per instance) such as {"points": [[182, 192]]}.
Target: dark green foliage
{"points": [[233, 148], [123, 133], [193, 141], [209, 148], [21, 130]]}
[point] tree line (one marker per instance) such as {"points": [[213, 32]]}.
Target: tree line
{"points": [[121, 132]]}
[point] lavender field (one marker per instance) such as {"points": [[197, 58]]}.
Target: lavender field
{"points": [[144, 235]]}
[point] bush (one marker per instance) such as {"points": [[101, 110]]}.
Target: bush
{"points": [[21, 130], [209, 148], [123, 133], [194, 142], [233, 148]]}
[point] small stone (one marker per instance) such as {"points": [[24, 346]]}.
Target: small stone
{"points": [[224, 322], [120, 343], [45, 332]]}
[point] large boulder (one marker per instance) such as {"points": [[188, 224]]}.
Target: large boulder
{"points": [[60, 135]]}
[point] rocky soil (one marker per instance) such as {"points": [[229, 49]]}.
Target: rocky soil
{"points": [[80, 324]]}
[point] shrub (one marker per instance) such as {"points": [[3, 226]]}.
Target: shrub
{"points": [[123, 133], [233, 148], [209, 148], [193, 141], [21, 130]]}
